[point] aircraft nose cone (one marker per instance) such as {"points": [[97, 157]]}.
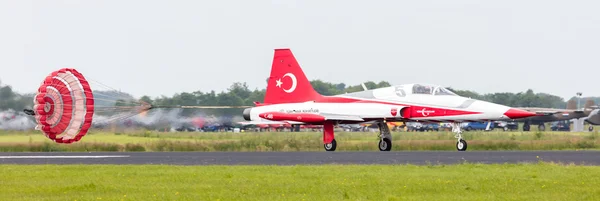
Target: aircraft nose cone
{"points": [[516, 113]]}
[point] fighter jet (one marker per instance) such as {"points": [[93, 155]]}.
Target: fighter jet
{"points": [[291, 98], [590, 113]]}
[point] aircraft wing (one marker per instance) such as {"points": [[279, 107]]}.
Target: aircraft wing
{"points": [[337, 117], [300, 118], [269, 122], [546, 111]]}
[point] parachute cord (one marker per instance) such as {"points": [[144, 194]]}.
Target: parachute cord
{"points": [[122, 116], [120, 94], [100, 83]]}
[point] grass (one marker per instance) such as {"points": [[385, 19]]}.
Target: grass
{"points": [[539, 181], [34, 141]]}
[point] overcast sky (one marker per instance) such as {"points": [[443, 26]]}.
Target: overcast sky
{"points": [[163, 47]]}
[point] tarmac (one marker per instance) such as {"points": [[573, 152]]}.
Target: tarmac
{"points": [[301, 158]]}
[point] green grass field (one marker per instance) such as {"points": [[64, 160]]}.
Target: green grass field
{"points": [[539, 181], [34, 141]]}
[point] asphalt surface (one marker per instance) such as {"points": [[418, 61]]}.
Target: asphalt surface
{"points": [[294, 158]]}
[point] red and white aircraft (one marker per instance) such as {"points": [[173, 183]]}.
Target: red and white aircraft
{"points": [[290, 98]]}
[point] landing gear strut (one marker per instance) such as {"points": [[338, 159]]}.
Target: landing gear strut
{"points": [[385, 142], [461, 145], [329, 142]]}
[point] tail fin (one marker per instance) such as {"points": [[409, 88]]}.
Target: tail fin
{"points": [[589, 103], [571, 104], [287, 83]]}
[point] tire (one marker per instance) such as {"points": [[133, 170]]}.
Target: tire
{"points": [[385, 144], [505, 128], [331, 146], [591, 128], [461, 145]]}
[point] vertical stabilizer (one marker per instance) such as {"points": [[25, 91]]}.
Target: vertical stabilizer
{"points": [[287, 82]]}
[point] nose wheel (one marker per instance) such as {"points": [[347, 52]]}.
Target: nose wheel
{"points": [[385, 144], [461, 145]]}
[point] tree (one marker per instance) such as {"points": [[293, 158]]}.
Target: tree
{"points": [[240, 89], [324, 88], [466, 93], [146, 99], [383, 84], [255, 96], [229, 99], [340, 87]]}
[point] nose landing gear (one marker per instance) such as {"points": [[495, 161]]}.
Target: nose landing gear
{"points": [[461, 145], [385, 144]]}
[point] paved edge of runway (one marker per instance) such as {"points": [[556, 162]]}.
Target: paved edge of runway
{"points": [[300, 158]]}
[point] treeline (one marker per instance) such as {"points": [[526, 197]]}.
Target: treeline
{"points": [[12, 100], [239, 94]]}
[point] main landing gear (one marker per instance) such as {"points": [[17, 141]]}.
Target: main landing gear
{"points": [[461, 145], [329, 142], [526, 126], [385, 142]]}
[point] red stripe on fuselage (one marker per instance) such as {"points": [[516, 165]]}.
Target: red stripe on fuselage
{"points": [[415, 111]]}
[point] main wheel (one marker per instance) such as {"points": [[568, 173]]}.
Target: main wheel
{"points": [[461, 145], [330, 146], [591, 128], [542, 127], [385, 144], [526, 127]]}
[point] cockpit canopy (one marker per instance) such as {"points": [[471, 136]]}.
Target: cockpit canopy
{"points": [[401, 91], [428, 89]]}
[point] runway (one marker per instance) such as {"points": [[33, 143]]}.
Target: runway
{"points": [[297, 158]]}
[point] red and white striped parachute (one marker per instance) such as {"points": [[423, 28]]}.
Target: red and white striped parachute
{"points": [[64, 106]]}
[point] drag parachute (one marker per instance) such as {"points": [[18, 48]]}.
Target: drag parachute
{"points": [[65, 104]]}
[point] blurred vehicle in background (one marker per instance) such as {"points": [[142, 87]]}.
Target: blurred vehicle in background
{"points": [[506, 126], [477, 126], [561, 125]]}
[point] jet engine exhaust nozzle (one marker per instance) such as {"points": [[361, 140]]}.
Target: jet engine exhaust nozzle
{"points": [[246, 114]]}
